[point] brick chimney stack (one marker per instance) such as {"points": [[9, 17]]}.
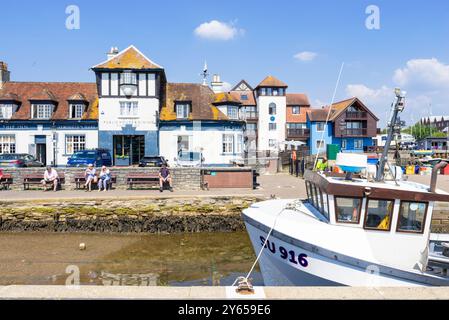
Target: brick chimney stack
{"points": [[4, 73]]}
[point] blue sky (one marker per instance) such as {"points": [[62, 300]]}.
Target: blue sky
{"points": [[249, 39]]}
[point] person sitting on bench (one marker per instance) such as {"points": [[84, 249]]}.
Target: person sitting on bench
{"points": [[50, 177], [105, 177], [90, 175], [164, 176]]}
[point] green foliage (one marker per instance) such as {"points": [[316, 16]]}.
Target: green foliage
{"points": [[422, 131]]}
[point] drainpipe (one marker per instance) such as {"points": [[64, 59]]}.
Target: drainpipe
{"points": [[433, 180]]}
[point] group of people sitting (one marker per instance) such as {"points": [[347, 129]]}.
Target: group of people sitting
{"points": [[102, 179]]}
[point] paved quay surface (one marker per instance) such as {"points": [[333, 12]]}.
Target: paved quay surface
{"points": [[211, 293], [280, 185]]}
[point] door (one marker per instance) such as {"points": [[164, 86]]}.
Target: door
{"points": [[41, 153], [129, 149]]}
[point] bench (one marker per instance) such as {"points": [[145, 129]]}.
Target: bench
{"points": [[150, 179], [80, 180], [36, 179], [6, 181]]}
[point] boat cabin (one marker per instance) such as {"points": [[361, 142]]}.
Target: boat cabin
{"points": [[389, 216]]}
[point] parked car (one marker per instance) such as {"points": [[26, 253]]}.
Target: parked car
{"points": [[152, 161], [97, 157], [189, 159], [19, 160]]}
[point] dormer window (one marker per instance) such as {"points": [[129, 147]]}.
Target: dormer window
{"points": [[76, 110], [128, 83], [182, 110], [233, 112], [7, 110], [42, 111]]}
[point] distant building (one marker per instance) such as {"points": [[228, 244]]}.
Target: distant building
{"points": [[439, 122], [433, 143], [350, 124]]}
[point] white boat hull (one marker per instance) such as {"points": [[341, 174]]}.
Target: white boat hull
{"points": [[311, 269]]}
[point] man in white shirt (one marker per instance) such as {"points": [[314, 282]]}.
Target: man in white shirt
{"points": [[50, 177]]}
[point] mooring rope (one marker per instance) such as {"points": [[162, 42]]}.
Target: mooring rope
{"points": [[261, 249]]}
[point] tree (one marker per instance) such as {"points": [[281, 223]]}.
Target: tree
{"points": [[420, 131]]}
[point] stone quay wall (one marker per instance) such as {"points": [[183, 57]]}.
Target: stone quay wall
{"points": [[161, 215], [183, 178]]}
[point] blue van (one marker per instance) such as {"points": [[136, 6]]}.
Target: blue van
{"points": [[97, 157]]}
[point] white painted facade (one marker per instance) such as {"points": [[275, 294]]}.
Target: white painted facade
{"points": [[209, 142], [264, 132], [25, 141]]}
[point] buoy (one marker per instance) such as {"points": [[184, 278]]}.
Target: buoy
{"points": [[82, 246]]}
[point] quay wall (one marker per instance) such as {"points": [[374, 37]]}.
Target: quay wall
{"points": [[159, 215], [183, 178]]}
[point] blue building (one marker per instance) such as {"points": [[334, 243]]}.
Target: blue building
{"points": [[350, 124]]}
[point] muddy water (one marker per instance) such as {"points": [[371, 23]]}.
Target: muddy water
{"points": [[173, 260]]}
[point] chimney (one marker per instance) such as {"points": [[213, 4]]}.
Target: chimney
{"points": [[112, 53], [216, 84], [4, 73]]}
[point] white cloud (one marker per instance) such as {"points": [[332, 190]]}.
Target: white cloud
{"points": [[365, 93], [217, 30], [305, 56], [428, 73]]}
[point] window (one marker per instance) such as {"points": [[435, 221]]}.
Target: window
{"points": [[76, 111], [319, 199], [320, 126], [42, 111], [74, 143], [313, 194], [344, 143], [325, 211], [262, 91], [239, 145], [412, 217], [358, 144], [352, 109], [6, 111], [183, 144], [128, 77], [295, 125], [275, 92], [182, 110], [269, 91], [7, 144], [251, 128], [296, 110], [347, 210], [354, 125], [378, 214], [281, 91], [309, 196], [320, 144], [228, 143], [272, 126], [244, 97], [272, 143], [272, 109], [233, 112], [128, 108]]}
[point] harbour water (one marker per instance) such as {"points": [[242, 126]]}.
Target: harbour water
{"points": [[192, 259]]}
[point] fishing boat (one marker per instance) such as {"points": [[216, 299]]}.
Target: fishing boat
{"points": [[365, 227]]}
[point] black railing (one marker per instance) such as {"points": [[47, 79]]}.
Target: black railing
{"points": [[297, 133], [354, 132], [356, 114], [251, 115]]}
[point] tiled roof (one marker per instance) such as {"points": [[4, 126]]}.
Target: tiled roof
{"points": [[8, 96], [240, 95], [298, 99], [60, 92], [130, 58], [271, 81], [77, 97], [318, 114], [225, 98], [201, 98], [339, 107]]}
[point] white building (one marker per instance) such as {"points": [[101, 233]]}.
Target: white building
{"points": [[272, 108]]}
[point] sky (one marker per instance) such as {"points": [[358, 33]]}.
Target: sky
{"points": [[383, 44]]}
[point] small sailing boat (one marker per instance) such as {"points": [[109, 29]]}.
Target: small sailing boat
{"points": [[366, 227]]}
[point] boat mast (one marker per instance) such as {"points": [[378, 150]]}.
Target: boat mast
{"points": [[392, 126]]}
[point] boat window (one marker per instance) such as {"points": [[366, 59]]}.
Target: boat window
{"points": [[347, 210], [378, 214], [320, 200], [412, 216], [316, 196], [325, 205], [309, 196], [313, 194]]}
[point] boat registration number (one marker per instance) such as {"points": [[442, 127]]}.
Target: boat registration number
{"points": [[290, 255]]}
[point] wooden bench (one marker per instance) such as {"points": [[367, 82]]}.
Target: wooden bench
{"points": [[6, 181], [80, 180], [36, 179], [150, 179]]}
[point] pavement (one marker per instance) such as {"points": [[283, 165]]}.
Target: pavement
{"points": [[211, 293], [279, 185]]}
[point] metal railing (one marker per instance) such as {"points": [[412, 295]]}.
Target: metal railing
{"points": [[354, 132], [293, 133], [356, 114]]}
